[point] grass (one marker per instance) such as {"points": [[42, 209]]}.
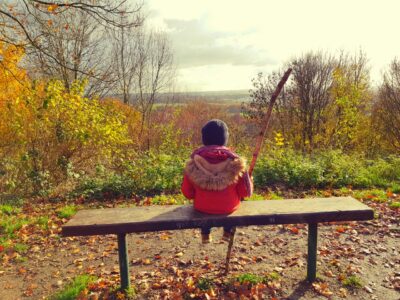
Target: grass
{"points": [[274, 196], [255, 197], [395, 188], [9, 225], [169, 199], [67, 211], [273, 276], [373, 194], [352, 281], [394, 205], [72, 290], [9, 209], [21, 248], [43, 222], [205, 284], [249, 278]]}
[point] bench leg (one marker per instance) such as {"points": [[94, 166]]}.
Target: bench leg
{"points": [[123, 261], [312, 252]]}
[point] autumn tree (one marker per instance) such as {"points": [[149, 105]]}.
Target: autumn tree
{"points": [[351, 103], [300, 109]]}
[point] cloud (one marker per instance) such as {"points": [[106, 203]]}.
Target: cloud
{"points": [[195, 45]]}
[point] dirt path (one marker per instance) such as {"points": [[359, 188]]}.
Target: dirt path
{"points": [[164, 264]]}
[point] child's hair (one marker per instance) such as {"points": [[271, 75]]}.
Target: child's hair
{"points": [[215, 132]]}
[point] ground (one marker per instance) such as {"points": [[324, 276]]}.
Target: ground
{"points": [[357, 260]]}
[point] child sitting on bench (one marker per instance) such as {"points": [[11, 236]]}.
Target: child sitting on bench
{"points": [[216, 177]]}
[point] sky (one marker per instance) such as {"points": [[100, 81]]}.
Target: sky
{"points": [[222, 44]]}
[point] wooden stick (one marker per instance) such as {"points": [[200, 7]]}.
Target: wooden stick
{"points": [[228, 254], [259, 142], [267, 117]]}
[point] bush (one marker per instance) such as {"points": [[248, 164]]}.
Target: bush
{"points": [[326, 169], [149, 174]]}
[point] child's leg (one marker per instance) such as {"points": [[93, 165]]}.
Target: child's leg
{"points": [[205, 230], [205, 235], [227, 233]]}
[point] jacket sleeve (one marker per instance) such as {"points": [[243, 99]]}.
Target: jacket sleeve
{"points": [[187, 188], [245, 186]]}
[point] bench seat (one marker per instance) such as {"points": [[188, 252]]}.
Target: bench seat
{"points": [[175, 217], [121, 221]]}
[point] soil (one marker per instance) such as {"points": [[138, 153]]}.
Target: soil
{"points": [[160, 262]]}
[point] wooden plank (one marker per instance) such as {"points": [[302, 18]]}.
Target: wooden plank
{"points": [[175, 217]]}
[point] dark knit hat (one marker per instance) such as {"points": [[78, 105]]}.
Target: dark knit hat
{"points": [[215, 132]]}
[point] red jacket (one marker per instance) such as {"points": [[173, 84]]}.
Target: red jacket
{"points": [[216, 178]]}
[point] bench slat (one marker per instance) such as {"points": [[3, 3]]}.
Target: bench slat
{"points": [[174, 217]]}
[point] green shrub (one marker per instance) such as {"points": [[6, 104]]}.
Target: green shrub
{"points": [[150, 174], [325, 169]]}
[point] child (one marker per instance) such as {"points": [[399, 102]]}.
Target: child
{"points": [[215, 177]]}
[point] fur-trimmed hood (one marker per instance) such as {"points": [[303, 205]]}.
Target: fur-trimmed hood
{"points": [[214, 176]]}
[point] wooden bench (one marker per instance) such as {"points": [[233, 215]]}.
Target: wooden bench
{"points": [[121, 221]]}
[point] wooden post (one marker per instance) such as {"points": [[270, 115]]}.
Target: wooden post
{"points": [[123, 262], [312, 252]]}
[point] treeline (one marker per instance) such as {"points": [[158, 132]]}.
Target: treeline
{"points": [[61, 136], [329, 103]]}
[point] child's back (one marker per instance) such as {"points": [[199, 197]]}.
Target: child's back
{"points": [[215, 177]]}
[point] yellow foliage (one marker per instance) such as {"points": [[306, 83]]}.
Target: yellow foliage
{"points": [[48, 130], [12, 78]]}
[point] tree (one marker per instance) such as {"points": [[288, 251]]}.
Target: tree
{"points": [[154, 73], [64, 38], [388, 106], [301, 107], [350, 102], [312, 80]]}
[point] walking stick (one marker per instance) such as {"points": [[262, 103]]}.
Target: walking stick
{"points": [[259, 142]]}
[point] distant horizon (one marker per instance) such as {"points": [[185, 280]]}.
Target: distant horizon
{"points": [[219, 51]]}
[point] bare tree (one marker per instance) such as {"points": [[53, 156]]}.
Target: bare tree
{"points": [[263, 88], [312, 79], [62, 35], [389, 104], [154, 72], [125, 60], [79, 45]]}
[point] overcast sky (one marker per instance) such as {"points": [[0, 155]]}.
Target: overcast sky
{"points": [[222, 44]]}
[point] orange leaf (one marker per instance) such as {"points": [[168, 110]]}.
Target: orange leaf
{"points": [[1, 248], [52, 7], [340, 229]]}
